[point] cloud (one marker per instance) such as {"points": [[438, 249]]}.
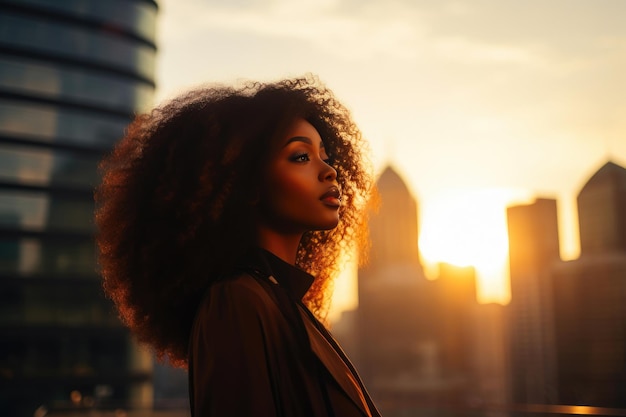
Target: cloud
{"points": [[472, 92], [409, 31], [460, 49], [353, 33], [531, 61]]}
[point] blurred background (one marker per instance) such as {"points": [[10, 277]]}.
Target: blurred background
{"points": [[497, 275]]}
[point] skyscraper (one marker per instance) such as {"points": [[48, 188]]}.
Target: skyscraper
{"points": [[72, 74], [414, 334], [568, 318], [602, 211], [589, 298], [395, 340], [533, 249]]}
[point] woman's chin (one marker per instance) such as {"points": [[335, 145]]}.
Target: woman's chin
{"points": [[328, 225]]}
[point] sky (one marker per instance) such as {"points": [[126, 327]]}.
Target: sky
{"points": [[477, 104]]}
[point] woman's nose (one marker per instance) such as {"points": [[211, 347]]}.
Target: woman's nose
{"points": [[328, 173]]}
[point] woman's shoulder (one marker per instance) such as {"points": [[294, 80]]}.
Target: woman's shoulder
{"points": [[242, 284], [242, 292]]}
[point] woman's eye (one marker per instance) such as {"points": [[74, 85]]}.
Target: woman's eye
{"points": [[303, 157]]}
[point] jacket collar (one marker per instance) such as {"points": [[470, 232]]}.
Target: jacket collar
{"points": [[293, 279], [336, 362], [297, 282]]}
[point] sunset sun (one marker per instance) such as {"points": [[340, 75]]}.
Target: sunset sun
{"points": [[468, 227]]}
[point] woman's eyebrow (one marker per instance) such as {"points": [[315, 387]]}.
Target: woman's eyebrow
{"points": [[299, 139], [306, 140]]}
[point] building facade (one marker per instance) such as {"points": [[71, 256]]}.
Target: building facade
{"points": [[567, 319], [396, 343], [589, 298], [72, 74], [412, 337], [533, 249]]}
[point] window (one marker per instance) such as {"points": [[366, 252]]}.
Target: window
{"points": [[86, 87], [27, 165], [80, 43], [134, 16], [51, 124]]}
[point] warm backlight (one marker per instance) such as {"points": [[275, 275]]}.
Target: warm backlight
{"points": [[468, 227], [462, 227]]}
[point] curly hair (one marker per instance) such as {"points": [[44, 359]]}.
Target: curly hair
{"points": [[173, 211]]}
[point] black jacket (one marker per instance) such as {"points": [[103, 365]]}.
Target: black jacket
{"points": [[256, 350]]}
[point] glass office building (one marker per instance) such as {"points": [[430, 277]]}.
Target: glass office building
{"points": [[72, 74]]}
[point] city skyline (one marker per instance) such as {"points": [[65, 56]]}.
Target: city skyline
{"points": [[478, 105], [416, 340]]}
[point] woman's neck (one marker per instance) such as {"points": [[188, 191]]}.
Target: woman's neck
{"points": [[285, 246]]}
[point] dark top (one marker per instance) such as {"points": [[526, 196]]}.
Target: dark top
{"points": [[256, 350]]}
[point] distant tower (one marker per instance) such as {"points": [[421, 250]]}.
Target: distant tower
{"points": [[589, 298], [396, 341], [394, 229], [415, 339], [533, 248], [602, 211], [568, 318]]}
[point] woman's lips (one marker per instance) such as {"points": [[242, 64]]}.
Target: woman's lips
{"points": [[332, 197]]}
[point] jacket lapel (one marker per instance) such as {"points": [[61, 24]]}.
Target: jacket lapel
{"points": [[335, 365]]}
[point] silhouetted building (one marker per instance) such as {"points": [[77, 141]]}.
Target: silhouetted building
{"points": [[568, 318], [491, 356], [533, 249], [455, 319], [72, 74], [602, 211], [590, 298], [397, 344], [394, 229], [412, 341]]}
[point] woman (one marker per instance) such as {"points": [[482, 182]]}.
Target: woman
{"points": [[215, 213]]}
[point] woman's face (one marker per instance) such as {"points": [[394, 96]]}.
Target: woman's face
{"points": [[300, 191]]}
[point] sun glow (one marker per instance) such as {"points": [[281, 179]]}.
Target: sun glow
{"points": [[468, 227]]}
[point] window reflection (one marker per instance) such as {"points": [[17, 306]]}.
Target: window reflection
{"points": [[20, 75], [40, 212], [42, 166], [32, 166], [37, 257], [42, 301], [100, 352], [60, 39], [23, 210], [59, 125], [135, 17]]}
